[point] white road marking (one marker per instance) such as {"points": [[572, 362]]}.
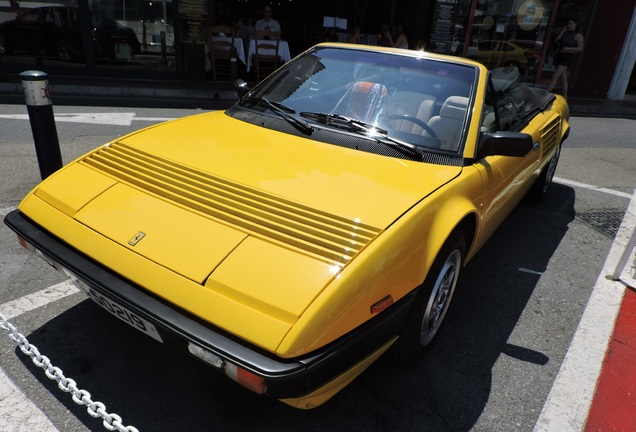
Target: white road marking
{"points": [[115, 119], [525, 270], [38, 299], [5, 211], [17, 412], [591, 187], [569, 401]]}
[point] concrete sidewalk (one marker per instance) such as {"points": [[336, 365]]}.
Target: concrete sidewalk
{"points": [[215, 94]]}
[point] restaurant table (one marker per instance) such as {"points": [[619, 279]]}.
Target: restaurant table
{"points": [[238, 44], [283, 51]]}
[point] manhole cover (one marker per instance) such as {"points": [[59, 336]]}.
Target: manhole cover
{"points": [[606, 222]]}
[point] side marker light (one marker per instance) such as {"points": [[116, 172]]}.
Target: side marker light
{"points": [[382, 304]]}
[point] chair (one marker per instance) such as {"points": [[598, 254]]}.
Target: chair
{"points": [[265, 58], [221, 54], [364, 101], [407, 104], [448, 124]]}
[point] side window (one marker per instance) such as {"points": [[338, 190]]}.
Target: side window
{"points": [[46, 16], [487, 45], [509, 98], [488, 113]]}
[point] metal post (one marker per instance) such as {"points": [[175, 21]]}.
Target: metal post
{"points": [[622, 262], [164, 49], [38, 101], [3, 76], [233, 54], [631, 243]]}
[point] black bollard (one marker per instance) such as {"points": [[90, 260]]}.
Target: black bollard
{"points": [[38, 101], [3, 76]]}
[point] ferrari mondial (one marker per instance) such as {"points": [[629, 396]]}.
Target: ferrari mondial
{"points": [[292, 239]]}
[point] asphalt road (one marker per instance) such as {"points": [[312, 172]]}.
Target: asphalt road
{"points": [[505, 337]]}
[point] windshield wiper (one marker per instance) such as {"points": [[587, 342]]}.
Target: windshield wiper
{"points": [[368, 130], [285, 112]]}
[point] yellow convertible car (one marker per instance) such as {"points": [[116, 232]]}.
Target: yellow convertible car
{"points": [[324, 218]]}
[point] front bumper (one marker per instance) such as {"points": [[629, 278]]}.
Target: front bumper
{"points": [[284, 378]]}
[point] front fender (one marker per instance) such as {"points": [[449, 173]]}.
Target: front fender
{"points": [[392, 265]]}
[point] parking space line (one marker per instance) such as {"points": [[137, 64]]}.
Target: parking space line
{"points": [[17, 412], [38, 299], [591, 187], [567, 406], [5, 211]]}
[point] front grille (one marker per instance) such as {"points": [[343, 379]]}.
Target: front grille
{"points": [[550, 136], [330, 237]]}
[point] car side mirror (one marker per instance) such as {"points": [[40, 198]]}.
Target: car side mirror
{"points": [[514, 144], [241, 87]]}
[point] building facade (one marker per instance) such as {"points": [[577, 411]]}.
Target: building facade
{"points": [[168, 39]]}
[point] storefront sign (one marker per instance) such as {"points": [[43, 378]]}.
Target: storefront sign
{"points": [[488, 22], [443, 32], [530, 14], [194, 21]]}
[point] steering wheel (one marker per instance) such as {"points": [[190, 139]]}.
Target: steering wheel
{"points": [[415, 120]]}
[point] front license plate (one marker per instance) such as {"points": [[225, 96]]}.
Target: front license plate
{"points": [[120, 311]]}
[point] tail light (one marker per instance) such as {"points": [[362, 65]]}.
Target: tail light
{"points": [[244, 377]]}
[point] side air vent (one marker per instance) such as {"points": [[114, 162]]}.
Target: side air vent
{"points": [[326, 236], [550, 136]]}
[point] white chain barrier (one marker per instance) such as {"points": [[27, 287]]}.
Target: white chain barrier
{"points": [[95, 409]]}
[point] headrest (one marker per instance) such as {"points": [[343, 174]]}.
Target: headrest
{"points": [[364, 100], [454, 107], [370, 89]]}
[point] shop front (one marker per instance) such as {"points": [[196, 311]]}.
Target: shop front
{"points": [[107, 38], [166, 39], [512, 34]]}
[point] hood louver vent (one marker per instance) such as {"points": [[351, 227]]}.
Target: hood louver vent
{"points": [[327, 236]]}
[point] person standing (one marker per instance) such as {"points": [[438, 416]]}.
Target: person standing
{"points": [[401, 41], [354, 38], [384, 37], [570, 43]]}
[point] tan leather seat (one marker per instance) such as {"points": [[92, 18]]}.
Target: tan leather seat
{"points": [[412, 104], [448, 124], [364, 101]]}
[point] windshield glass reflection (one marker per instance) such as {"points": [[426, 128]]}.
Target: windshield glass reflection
{"points": [[417, 100]]}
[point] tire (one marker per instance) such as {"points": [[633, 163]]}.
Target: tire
{"points": [[541, 186], [432, 300]]}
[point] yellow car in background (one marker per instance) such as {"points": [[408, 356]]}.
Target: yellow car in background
{"points": [[498, 53], [292, 239]]}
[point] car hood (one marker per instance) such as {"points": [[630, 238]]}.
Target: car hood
{"points": [[262, 219]]}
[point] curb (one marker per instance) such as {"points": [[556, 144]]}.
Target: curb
{"points": [[224, 92], [171, 91]]}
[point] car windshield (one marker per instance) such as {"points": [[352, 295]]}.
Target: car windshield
{"points": [[409, 100]]}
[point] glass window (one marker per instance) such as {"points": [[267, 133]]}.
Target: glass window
{"points": [[416, 100], [52, 33], [510, 34]]}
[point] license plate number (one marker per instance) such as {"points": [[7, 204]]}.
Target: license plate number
{"points": [[120, 312]]}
